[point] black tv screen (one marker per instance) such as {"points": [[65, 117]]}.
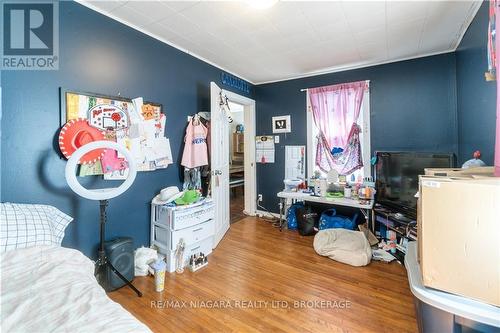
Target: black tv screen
{"points": [[396, 177]]}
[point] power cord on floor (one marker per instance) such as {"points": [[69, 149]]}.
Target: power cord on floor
{"points": [[270, 218]]}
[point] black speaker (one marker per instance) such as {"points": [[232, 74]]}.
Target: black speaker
{"points": [[120, 253]]}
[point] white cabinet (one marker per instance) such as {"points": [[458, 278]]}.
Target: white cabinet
{"points": [[194, 224]]}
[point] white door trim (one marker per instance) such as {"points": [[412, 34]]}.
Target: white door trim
{"points": [[249, 155]]}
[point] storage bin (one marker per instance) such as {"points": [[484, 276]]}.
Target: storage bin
{"points": [[194, 224], [161, 234], [438, 311]]}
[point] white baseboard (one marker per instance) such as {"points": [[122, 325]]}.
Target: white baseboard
{"points": [[248, 214], [261, 213]]}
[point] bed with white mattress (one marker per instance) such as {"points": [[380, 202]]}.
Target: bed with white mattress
{"points": [[53, 289], [49, 288]]}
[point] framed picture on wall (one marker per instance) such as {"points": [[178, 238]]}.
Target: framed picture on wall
{"points": [[78, 104], [282, 124]]}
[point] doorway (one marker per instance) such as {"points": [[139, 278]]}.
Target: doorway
{"points": [[236, 133], [221, 152]]}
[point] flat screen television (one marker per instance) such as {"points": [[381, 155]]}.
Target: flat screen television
{"points": [[396, 177]]}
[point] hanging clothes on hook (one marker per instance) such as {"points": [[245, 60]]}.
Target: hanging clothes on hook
{"points": [[195, 154], [205, 170], [192, 179], [195, 144]]}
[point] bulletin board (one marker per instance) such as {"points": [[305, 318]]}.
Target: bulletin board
{"points": [[137, 125]]}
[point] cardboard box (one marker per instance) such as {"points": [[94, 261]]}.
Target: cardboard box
{"points": [[419, 207], [451, 172], [460, 236], [454, 173]]}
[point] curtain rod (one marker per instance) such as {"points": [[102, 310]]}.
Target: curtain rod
{"points": [[305, 89]]}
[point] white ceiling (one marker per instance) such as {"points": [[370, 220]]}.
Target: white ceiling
{"points": [[296, 39]]}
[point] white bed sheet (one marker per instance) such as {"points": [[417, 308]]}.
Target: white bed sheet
{"points": [[53, 289]]}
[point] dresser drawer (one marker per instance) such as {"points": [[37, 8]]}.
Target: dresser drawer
{"points": [[193, 234], [177, 218], [170, 238], [185, 218], [204, 246]]}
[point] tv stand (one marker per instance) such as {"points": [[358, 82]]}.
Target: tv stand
{"points": [[387, 218]]}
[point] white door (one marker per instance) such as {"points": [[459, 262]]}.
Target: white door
{"points": [[219, 129]]}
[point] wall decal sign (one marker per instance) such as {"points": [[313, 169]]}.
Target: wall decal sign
{"points": [[235, 82]]}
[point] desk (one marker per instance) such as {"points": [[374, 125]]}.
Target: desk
{"points": [[365, 207]]}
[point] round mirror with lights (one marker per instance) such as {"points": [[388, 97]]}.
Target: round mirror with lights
{"points": [[102, 193]]}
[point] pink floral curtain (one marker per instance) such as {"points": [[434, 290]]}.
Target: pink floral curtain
{"points": [[335, 110]]}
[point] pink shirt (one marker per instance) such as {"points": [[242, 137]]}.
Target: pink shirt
{"points": [[195, 148]]}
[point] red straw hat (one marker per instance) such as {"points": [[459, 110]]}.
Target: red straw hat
{"points": [[76, 133]]}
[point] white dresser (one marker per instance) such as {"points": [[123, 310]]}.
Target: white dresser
{"points": [[193, 223]]}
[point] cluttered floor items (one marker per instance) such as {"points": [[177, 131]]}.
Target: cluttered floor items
{"points": [[338, 237]]}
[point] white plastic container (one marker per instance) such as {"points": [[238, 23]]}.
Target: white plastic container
{"points": [[439, 311], [159, 268]]}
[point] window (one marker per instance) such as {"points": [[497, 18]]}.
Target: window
{"points": [[363, 121]]}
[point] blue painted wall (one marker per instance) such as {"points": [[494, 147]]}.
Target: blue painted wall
{"points": [[100, 55], [412, 105], [476, 97]]}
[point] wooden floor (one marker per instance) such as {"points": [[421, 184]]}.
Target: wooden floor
{"points": [[237, 204], [255, 262]]}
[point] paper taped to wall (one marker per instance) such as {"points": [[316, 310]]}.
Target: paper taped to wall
{"points": [[264, 149], [295, 162]]}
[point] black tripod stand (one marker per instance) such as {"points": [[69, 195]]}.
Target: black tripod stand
{"points": [[102, 265]]}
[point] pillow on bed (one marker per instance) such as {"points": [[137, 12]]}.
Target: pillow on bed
{"points": [[25, 225]]}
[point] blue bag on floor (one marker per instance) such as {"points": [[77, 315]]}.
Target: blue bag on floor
{"points": [[291, 215], [329, 219]]}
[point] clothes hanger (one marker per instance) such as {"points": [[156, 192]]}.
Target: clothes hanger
{"points": [[224, 104], [196, 119]]}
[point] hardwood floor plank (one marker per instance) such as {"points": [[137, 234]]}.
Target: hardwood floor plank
{"points": [[255, 262]]}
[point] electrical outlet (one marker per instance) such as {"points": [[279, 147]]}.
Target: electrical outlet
{"points": [[260, 197]]}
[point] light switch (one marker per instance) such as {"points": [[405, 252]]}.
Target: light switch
{"points": [[276, 139]]}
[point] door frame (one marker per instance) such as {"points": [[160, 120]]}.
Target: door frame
{"points": [[249, 150]]}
